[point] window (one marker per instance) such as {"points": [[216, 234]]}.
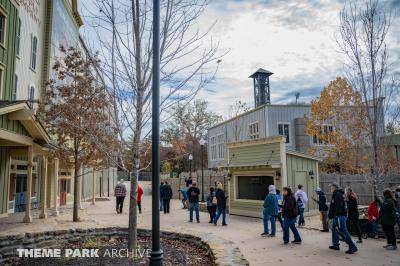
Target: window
{"points": [[327, 132], [34, 52], [14, 93], [284, 130], [18, 40], [213, 147], [3, 19], [220, 146], [254, 130], [1, 81], [253, 187]]}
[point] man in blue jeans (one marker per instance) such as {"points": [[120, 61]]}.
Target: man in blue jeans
{"points": [[270, 211], [338, 214], [193, 196]]}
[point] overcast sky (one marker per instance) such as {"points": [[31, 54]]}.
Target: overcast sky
{"points": [[293, 39]]}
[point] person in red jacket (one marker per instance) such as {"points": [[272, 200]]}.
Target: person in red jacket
{"points": [[373, 214], [139, 191]]}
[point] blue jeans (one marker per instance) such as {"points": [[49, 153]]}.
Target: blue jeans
{"points": [[290, 223], [343, 228], [161, 205], [301, 216], [374, 228], [266, 219], [194, 206], [223, 212]]}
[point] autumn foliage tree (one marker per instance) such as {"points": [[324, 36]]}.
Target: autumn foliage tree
{"points": [[338, 126], [76, 114]]}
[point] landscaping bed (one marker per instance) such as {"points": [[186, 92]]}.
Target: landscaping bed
{"points": [[179, 249]]}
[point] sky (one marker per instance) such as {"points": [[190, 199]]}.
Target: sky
{"points": [[294, 39]]}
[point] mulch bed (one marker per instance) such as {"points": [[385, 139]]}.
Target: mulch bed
{"points": [[176, 252]]}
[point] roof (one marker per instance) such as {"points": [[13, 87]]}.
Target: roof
{"points": [[303, 155], [263, 71]]}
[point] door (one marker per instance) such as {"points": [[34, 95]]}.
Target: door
{"points": [[301, 178], [20, 191], [63, 192]]}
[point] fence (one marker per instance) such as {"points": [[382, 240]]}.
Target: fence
{"points": [[359, 183]]}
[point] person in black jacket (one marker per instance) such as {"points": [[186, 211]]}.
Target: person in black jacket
{"points": [[289, 213], [221, 204], [352, 213], [167, 196], [323, 209], [161, 196], [338, 213], [193, 195]]}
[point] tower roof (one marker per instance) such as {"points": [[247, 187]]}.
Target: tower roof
{"points": [[261, 70]]}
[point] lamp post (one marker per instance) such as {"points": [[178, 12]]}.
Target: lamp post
{"points": [[190, 165], [202, 143], [156, 255]]}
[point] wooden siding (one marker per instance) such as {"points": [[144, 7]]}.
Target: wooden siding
{"points": [[12, 125], [265, 154], [7, 53], [299, 164], [4, 178]]}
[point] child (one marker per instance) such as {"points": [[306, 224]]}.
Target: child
{"points": [[211, 204]]}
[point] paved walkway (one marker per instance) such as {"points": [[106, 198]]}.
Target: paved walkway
{"points": [[244, 232]]}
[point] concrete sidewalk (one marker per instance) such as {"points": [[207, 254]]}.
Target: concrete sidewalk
{"points": [[243, 231]]}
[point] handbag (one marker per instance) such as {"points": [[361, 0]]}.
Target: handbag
{"points": [[214, 200]]}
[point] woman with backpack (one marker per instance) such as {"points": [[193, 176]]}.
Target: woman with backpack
{"points": [[387, 217]]}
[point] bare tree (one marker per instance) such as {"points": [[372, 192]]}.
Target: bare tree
{"points": [[188, 62], [237, 124], [362, 38]]}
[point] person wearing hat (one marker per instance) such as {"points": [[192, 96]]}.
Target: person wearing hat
{"points": [[338, 214], [323, 208], [270, 211], [120, 193], [193, 195]]}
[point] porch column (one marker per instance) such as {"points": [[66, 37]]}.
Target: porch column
{"points": [[28, 194], [55, 186], [93, 186], [43, 187]]}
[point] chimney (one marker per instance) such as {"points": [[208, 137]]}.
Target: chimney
{"points": [[261, 87]]}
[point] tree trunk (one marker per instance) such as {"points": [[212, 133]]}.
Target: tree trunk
{"points": [[132, 231], [76, 191]]}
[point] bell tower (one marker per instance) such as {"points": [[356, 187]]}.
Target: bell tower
{"points": [[261, 87]]}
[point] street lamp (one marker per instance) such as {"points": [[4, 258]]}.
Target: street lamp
{"points": [[190, 165], [202, 143], [156, 255]]}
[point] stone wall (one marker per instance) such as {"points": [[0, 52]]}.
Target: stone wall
{"points": [[223, 252]]}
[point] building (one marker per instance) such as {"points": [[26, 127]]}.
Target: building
{"points": [[31, 33], [266, 145]]}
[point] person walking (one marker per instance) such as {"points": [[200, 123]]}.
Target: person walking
{"points": [[353, 214], [323, 209], [397, 198], [161, 196], [221, 204], [211, 204], [120, 193], [193, 196], [373, 216], [270, 211], [183, 191], [167, 196], [301, 198], [139, 195], [388, 220], [289, 213], [188, 181], [280, 199], [337, 212]]}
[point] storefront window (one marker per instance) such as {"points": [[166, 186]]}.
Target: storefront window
{"points": [[253, 187]]}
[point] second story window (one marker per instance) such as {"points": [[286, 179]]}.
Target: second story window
{"points": [[220, 146], [2, 27], [284, 130], [325, 134], [34, 52], [1, 82], [14, 93], [31, 95], [213, 148], [254, 130], [18, 38]]}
